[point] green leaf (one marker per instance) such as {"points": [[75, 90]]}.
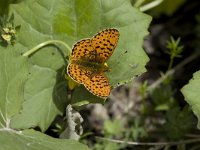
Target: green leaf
{"points": [[129, 21], [179, 123], [32, 140], [70, 21], [13, 74], [137, 131], [191, 92], [89, 17], [112, 14], [39, 100], [45, 90], [114, 127], [163, 98]]}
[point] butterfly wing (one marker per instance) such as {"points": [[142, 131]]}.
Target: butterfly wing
{"points": [[98, 85], [78, 73], [104, 43], [82, 49], [97, 49]]}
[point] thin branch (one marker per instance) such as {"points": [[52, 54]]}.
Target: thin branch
{"points": [[193, 135], [189, 141], [172, 71]]}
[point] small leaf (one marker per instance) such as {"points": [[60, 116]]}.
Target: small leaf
{"points": [[71, 83], [74, 128], [163, 97]]}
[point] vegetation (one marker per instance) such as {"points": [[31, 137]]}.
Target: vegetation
{"points": [[154, 74]]}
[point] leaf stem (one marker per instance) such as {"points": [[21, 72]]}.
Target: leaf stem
{"points": [[189, 141], [150, 5], [36, 48], [171, 63]]}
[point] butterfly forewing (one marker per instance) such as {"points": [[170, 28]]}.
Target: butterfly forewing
{"points": [[105, 42], [82, 49]]}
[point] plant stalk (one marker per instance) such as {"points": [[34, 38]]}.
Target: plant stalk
{"points": [[172, 71], [150, 5], [171, 63], [36, 48]]}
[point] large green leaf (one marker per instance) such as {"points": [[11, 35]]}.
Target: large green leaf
{"points": [[39, 100], [191, 91], [13, 74], [32, 140], [69, 21], [45, 90], [132, 25], [72, 20], [84, 18]]}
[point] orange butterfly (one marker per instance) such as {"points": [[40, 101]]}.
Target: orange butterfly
{"points": [[88, 58]]}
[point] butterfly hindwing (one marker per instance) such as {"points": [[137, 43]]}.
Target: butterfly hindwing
{"points": [[98, 85], [78, 73]]}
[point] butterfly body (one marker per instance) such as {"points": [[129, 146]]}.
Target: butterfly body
{"points": [[94, 67], [88, 61]]}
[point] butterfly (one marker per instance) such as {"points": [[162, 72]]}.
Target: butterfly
{"points": [[88, 61]]}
